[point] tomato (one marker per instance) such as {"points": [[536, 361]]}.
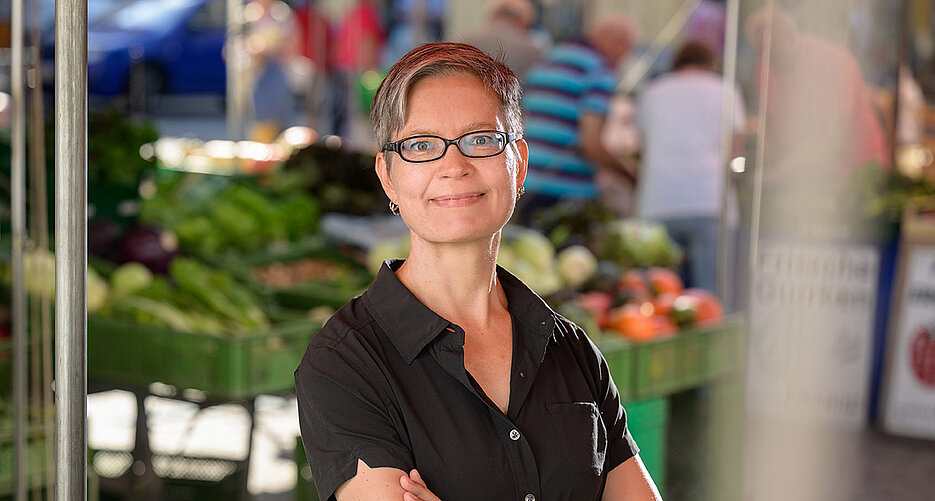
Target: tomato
{"points": [[664, 326], [632, 288], [707, 308], [662, 304], [597, 304], [632, 323], [663, 280]]}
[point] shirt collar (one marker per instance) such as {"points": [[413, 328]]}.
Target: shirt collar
{"points": [[411, 326]]}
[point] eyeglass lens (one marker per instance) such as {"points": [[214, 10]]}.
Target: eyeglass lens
{"points": [[477, 144]]}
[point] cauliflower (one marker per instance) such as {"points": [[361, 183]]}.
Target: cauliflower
{"points": [[576, 265], [534, 248]]}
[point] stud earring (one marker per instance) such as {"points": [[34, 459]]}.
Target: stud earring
{"points": [[520, 192], [394, 209]]}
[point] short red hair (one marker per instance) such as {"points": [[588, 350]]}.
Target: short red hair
{"points": [[388, 112]]}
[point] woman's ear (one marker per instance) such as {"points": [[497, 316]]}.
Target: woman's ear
{"points": [[522, 161], [383, 173]]}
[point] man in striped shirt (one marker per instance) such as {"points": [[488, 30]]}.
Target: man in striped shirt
{"points": [[567, 96]]}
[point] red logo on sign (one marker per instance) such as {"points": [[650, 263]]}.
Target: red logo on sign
{"points": [[922, 352]]}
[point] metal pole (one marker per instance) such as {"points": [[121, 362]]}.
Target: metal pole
{"points": [[638, 71], [235, 70], [18, 222], [732, 27], [71, 174], [42, 317], [756, 202]]}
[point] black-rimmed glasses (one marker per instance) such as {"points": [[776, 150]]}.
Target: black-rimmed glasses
{"points": [[477, 144]]}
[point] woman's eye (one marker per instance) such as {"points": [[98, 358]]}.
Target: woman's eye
{"points": [[482, 140], [420, 146]]}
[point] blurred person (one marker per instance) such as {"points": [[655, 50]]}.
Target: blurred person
{"points": [[506, 34], [448, 363], [682, 173], [910, 116], [413, 23], [269, 29], [311, 59], [566, 102], [818, 111], [621, 137], [358, 45], [6, 104], [707, 24]]}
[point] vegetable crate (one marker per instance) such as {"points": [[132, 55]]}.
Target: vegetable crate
{"points": [[688, 359], [350, 277], [668, 365], [230, 368], [35, 453], [305, 489], [648, 422], [619, 355], [189, 478], [6, 367]]}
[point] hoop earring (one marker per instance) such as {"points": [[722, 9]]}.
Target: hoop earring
{"points": [[394, 209], [520, 192]]}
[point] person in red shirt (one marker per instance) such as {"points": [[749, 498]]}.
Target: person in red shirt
{"points": [[358, 45], [311, 53]]}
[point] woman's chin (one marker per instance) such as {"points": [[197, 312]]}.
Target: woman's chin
{"points": [[469, 231]]}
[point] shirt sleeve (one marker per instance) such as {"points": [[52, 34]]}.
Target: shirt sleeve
{"points": [[598, 89], [343, 417], [620, 444]]}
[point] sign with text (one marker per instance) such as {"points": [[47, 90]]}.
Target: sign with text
{"points": [[910, 398], [811, 332]]}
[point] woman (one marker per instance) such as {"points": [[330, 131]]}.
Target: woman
{"points": [[448, 367]]}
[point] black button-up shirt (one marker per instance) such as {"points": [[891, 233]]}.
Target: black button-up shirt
{"points": [[384, 382]]}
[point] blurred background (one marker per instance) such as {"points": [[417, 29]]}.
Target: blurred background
{"points": [[733, 198]]}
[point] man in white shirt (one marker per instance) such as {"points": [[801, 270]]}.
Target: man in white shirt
{"points": [[682, 175]]}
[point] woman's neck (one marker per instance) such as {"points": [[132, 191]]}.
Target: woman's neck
{"points": [[457, 281]]}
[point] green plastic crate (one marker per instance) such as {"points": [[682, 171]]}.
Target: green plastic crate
{"points": [[6, 367], [304, 483], [727, 349], [648, 421], [691, 358], [182, 477], [656, 367], [35, 453], [225, 367], [306, 295], [619, 355]]}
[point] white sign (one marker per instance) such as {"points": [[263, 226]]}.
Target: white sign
{"points": [[910, 397], [811, 332]]}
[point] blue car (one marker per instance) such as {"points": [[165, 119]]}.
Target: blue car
{"points": [[164, 46]]}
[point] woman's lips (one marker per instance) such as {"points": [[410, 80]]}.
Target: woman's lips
{"points": [[457, 199]]}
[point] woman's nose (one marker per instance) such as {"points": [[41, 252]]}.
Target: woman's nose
{"points": [[454, 164]]}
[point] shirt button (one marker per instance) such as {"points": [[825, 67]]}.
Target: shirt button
{"points": [[514, 435], [522, 374], [530, 497]]}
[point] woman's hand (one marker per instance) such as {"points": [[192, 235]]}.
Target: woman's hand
{"points": [[415, 488]]}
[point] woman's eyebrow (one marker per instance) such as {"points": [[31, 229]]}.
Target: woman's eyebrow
{"points": [[474, 126]]}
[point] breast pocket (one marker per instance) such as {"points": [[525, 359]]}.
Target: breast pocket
{"points": [[580, 436]]}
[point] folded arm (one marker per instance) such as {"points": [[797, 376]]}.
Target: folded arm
{"points": [[372, 484], [384, 484], [630, 481]]}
